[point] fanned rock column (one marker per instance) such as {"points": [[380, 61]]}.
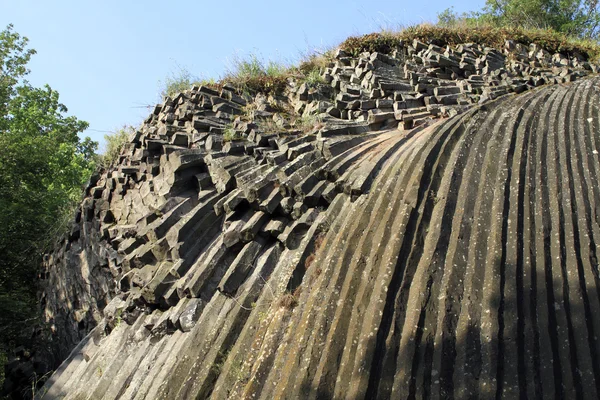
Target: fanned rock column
{"points": [[391, 250]]}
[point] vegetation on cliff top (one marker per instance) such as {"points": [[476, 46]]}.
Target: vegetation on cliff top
{"points": [[570, 27], [250, 74], [181, 80], [114, 143], [487, 35], [566, 26], [573, 18]]}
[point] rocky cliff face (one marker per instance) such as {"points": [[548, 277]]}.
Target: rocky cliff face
{"points": [[405, 243]]}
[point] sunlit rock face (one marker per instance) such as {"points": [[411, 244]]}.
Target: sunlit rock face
{"points": [[418, 237]]}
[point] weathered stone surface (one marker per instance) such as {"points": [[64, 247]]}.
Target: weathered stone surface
{"points": [[190, 314], [241, 267], [360, 262]]}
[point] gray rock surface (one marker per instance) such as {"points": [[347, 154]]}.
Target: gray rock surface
{"points": [[412, 245]]}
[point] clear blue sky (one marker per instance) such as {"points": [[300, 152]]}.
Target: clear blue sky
{"points": [[106, 57]]}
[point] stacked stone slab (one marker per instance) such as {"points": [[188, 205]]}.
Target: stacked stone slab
{"points": [[178, 184], [267, 258], [418, 82]]}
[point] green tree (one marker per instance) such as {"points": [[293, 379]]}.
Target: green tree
{"points": [[43, 165], [577, 18], [449, 18]]}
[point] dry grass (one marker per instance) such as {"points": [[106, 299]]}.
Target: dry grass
{"points": [[316, 59], [312, 66], [488, 35], [252, 75], [182, 80]]}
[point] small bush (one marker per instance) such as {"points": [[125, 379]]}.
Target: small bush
{"points": [[252, 75], [230, 134], [183, 80], [313, 65], [177, 82], [374, 42], [114, 144], [250, 67], [210, 82], [276, 69], [316, 59]]}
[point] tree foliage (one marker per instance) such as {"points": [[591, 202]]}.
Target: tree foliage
{"points": [[576, 18], [43, 164]]}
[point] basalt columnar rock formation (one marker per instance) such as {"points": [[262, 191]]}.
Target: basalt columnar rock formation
{"points": [[418, 237]]}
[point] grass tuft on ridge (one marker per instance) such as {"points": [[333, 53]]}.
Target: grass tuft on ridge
{"points": [[251, 74], [485, 35]]}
